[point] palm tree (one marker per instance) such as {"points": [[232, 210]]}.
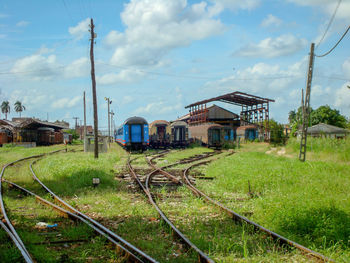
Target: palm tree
{"points": [[19, 107], [5, 108]]}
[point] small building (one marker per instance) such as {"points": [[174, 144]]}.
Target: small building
{"points": [[323, 130]]}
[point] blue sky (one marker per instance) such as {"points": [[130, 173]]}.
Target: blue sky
{"points": [[154, 57]]}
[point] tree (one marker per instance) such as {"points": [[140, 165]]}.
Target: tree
{"points": [[19, 107], [325, 114], [5, 108], [277, 136], [292, 116]]}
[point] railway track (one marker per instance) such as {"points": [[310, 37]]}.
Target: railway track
{"points": [[127, 250], [146, 189], [235, 216]]}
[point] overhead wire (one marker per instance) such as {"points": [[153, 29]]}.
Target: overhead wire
{"points": [[329, 24], [325, 54]]}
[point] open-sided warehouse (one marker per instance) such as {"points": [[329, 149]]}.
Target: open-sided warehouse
{"points": [[32, 132]]}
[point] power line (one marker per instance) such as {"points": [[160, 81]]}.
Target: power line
{"points": [[329, 24], [194, 77], [325, 54]]}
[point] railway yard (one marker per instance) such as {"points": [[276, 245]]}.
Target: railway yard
{"points": [[185, 205]]}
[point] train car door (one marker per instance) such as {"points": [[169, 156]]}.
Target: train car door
{"points": [[215, 135], [251, 135], [161, 133], [136, 133]]}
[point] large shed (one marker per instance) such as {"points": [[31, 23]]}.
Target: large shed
{"points": [[30, 131]]}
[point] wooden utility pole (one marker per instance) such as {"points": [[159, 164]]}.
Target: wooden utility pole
{"points": [[85, 139], [76, 122], [306, 105], [94, 99]]}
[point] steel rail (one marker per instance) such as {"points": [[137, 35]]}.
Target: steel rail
{"points": [[142, 255], [9, 227], [68, 214], [239, 218], [202, 256]]}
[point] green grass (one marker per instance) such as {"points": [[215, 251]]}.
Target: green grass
{"points": [[326, 149], [306, 202]]}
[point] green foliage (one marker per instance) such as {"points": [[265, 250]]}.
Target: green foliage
{"points": [[229, 145], [5, 108], [325, 114], [74, 134], [277, 136], [19, 107]]}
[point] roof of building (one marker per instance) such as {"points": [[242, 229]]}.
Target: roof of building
{"points": [[236, 98], [212, 107], [326, 128], [28, 123]]}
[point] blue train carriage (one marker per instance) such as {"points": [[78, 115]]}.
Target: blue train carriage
{"points": [[248, 132], [133, 134]]}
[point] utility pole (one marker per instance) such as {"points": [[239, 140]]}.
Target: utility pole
{"points": [[108, 115], [76, 122], [85, 139], [306, 105], [93, 80]]}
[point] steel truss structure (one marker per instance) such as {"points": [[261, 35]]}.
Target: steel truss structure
{"points": [[255, 110]]}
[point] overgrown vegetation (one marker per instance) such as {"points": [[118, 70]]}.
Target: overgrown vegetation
{"points": [[325, 149], [306, 202]]}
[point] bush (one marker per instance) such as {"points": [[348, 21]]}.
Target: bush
{"points": [[75, 135]]}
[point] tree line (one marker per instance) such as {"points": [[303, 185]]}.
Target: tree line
{"points": [[5, 108]]}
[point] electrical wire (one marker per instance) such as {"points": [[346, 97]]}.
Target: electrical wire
{"points": [[325, 54], [329, 24], [191, 76]]}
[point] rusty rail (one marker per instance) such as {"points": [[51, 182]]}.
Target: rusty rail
{"points": [[136, 255], [68, 214], [234, 215], [133, 253], [202, 256], [257, 227]]}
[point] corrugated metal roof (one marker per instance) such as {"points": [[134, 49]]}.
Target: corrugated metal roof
{"points": [[325, 128]]}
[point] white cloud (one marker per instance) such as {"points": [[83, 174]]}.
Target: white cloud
{"points": [[273, 47], [37, 67], [22, 23], [124, 76], [328, 7], [154, 28], [114, 38], [3, 36], [346, 67], [271, 20], [2, 15], [80, 30], [65, 103], [342, 98], [233, 5], [78, 68]]}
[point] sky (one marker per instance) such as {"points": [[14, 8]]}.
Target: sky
{"points": [[154, 57]]}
